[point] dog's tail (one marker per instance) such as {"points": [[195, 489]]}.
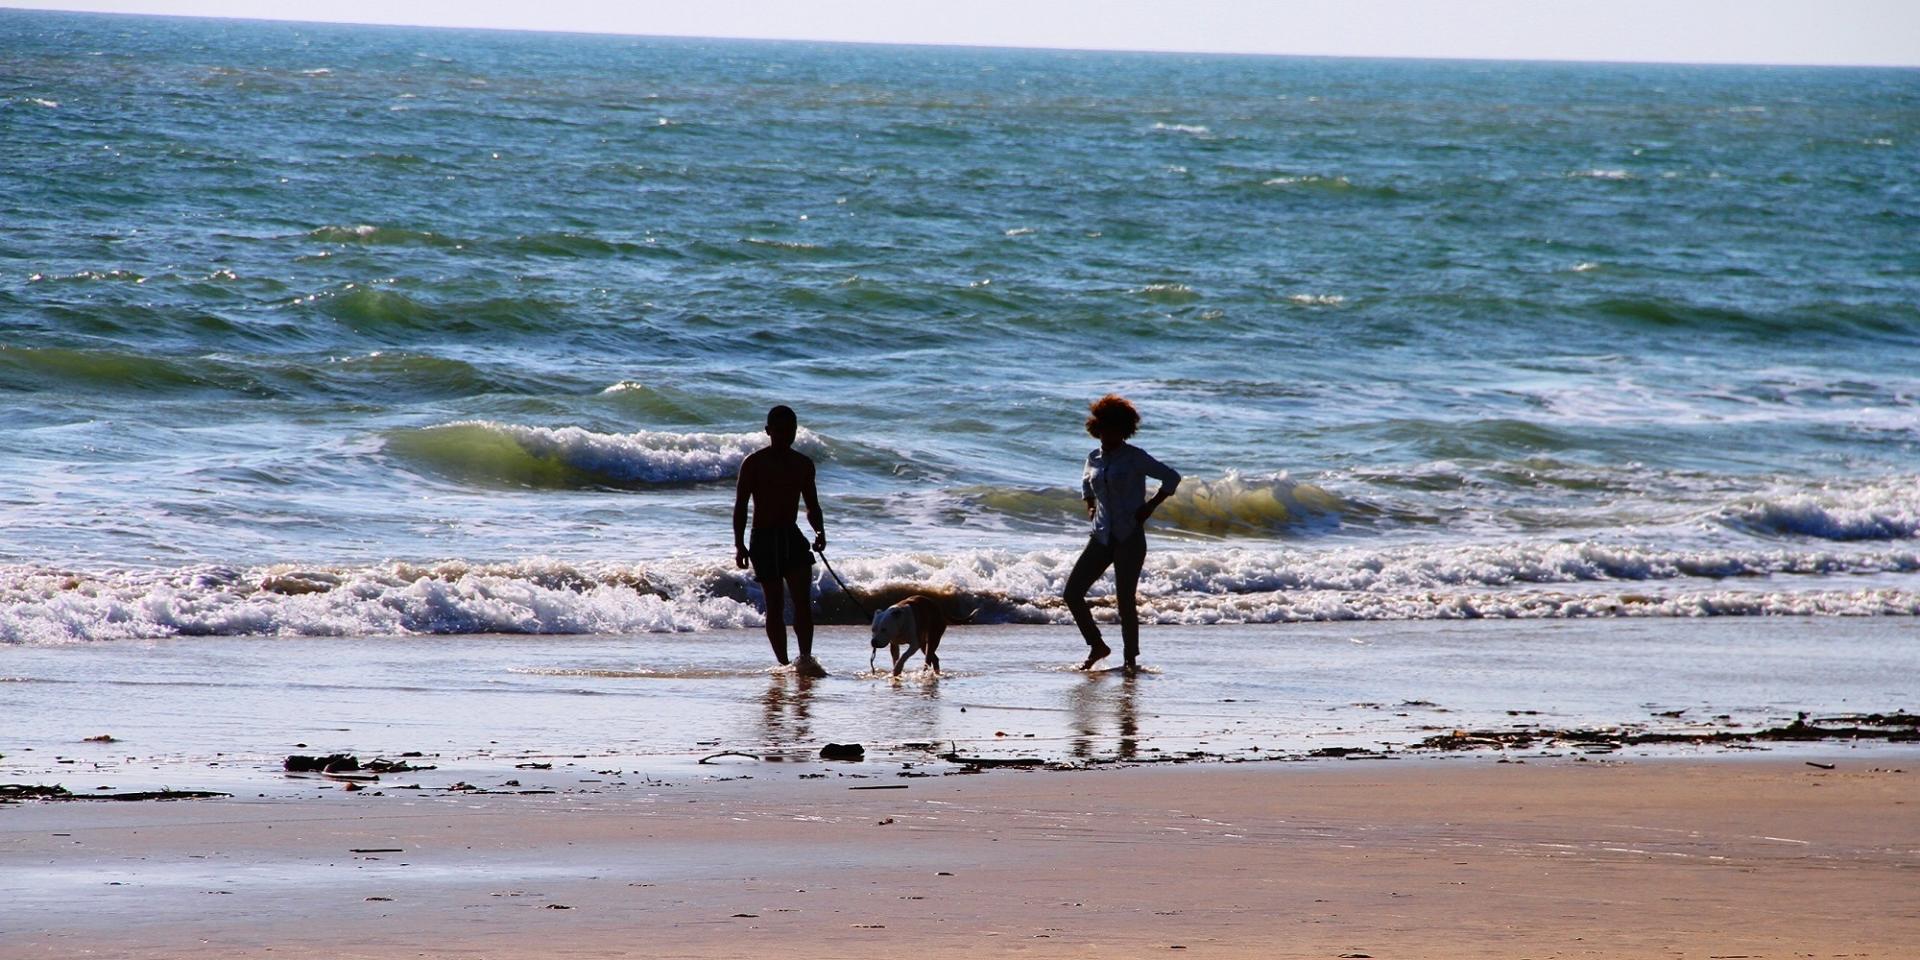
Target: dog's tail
{"points": [[968, 617]]}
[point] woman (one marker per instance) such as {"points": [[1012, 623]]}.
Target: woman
{"points": [[1114, 484]]}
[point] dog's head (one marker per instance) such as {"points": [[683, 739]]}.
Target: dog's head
{"points": [[892, 625]]}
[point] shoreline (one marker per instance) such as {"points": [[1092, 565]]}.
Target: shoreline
{"points": [[1681, 857], [1263, 792], [224, 713]]}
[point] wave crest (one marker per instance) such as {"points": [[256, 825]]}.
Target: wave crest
{"points": [[535, 596], [1234, 505], [572, 457], [1884, 512], [371, 235]]}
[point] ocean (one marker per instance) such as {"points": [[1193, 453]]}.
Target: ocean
{"points": [[325, 331]]}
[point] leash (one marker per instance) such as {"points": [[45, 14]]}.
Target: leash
{"points": [[856, 601], [843, 585]]}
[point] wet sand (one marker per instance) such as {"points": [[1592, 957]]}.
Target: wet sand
{"points": [[221, 713], [1441, 858]]}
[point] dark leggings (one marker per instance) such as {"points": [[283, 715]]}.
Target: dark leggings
{"points": [[1126, 559]]}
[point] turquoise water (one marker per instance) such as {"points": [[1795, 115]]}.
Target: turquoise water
{"points": [[315, 329]]}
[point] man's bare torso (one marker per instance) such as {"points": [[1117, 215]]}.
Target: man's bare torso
{"points": [[774, 478]]}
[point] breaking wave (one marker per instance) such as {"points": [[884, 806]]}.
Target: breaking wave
{"points": [[536, 596], [1234, 505], [570, 457], [543, 596], [1883, 512], [371, 235]]}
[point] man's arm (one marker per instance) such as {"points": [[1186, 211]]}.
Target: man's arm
{"points": [[741, 492], [1169, 482], [814, 516], [1086, 487]]}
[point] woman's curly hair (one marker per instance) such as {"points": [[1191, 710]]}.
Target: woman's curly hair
{"points": [[1112, 411]]}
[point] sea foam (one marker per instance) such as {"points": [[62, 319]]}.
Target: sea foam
{"points": [[534, 596], [545, 596], [1889, 511]]}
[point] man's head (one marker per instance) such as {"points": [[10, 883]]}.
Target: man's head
{"points": [[1112, 416], [782, 425]]}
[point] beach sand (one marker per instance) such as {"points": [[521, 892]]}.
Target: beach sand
{"points": [[1734, 856]]}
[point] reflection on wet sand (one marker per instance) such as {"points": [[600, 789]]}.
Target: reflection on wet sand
{"points": [[1092, 703], [786, 710]]}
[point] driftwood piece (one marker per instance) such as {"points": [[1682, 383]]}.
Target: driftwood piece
{"points": [[29, 791], [993, 761]]}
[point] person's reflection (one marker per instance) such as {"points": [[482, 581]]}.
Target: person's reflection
{"points": [[1092, 703], [786, 710], [1126, 711]]}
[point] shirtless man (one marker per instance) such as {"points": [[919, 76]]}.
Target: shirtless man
{"points": [[775, 478]]}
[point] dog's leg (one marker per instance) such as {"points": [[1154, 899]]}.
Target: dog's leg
{"points": [[900, 662], [935, 630]]}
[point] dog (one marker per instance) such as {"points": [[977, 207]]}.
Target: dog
{"points": [[913, 625]]}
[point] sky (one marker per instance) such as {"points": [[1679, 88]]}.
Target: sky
{"points": [[1854, 32]]}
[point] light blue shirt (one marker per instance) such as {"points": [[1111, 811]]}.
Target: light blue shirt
{"points": [[1117, 485]]}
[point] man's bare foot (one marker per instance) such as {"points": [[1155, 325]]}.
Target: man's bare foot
{"points": [[809, 667], [1096, 653], [1131, 668]]}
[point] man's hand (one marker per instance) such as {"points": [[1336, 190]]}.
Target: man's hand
{"points": [[1146, 510], [1090, 509], [740, 556], [819, 541]]}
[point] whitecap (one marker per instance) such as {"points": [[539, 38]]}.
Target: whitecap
{"points": [[1166, 291], [571, 456], [1885, 511], [780, 244], [1306, 180]]}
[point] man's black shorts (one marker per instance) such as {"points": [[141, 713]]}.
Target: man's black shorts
{"points": [[778, 551]]}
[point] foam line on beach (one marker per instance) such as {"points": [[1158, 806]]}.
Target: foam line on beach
{"points": [[41, 605]]}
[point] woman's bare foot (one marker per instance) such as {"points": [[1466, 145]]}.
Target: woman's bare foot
{"points": [[1130, 669], [1096, 653], [809, 667]]}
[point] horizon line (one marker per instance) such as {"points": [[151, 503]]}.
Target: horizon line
{"points": [[951, 45]]}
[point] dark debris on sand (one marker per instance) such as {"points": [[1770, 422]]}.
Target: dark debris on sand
{"points": [[1897, 727], [338, 763], [16, 792]]}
